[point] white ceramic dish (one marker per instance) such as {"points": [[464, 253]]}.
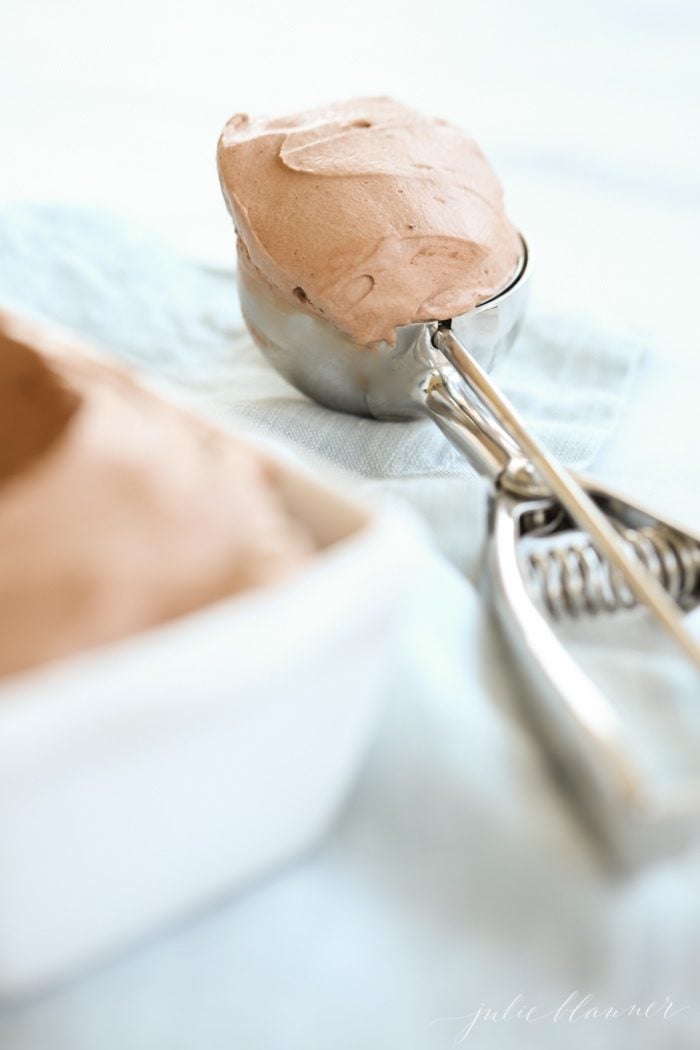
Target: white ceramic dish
{"points": [[141, 780]]}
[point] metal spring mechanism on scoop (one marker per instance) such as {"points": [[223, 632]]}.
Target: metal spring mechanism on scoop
{"points": [[558, 545], [572, 580]]}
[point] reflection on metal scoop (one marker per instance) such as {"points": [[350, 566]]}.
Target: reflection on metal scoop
{"points": [[440, 368]]}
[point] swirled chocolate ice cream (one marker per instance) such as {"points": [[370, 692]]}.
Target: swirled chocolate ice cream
{"points": [[367, 214], [118, 510]]}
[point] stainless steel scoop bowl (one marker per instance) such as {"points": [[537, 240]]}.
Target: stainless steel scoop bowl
{"points": [[382, 381]]}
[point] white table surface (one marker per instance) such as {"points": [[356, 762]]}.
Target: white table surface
{"points": [[590, 112]]}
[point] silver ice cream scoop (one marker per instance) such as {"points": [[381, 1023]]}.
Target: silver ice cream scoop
{"points": [[612, 554]]}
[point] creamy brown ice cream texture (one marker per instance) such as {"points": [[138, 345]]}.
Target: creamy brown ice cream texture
{"points": [[118, 510], [367, 214]]}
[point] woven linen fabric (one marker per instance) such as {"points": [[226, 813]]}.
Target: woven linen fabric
{"points": [[128, 294]]}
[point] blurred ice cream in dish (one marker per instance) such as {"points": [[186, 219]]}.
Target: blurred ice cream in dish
{"points": [[367, 215], [118, 510]]}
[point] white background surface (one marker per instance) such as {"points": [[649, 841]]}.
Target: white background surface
{"points": [[590, 112]]}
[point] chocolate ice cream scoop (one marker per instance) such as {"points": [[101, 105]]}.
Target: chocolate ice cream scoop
{"points": [[118, 510], [380, 275], [367, 214]]}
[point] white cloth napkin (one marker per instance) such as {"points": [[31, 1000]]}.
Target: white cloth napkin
{"points": [[458, 878]]}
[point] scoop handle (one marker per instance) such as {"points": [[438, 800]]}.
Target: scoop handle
{"points": [[466, 425], [561, 484]]}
